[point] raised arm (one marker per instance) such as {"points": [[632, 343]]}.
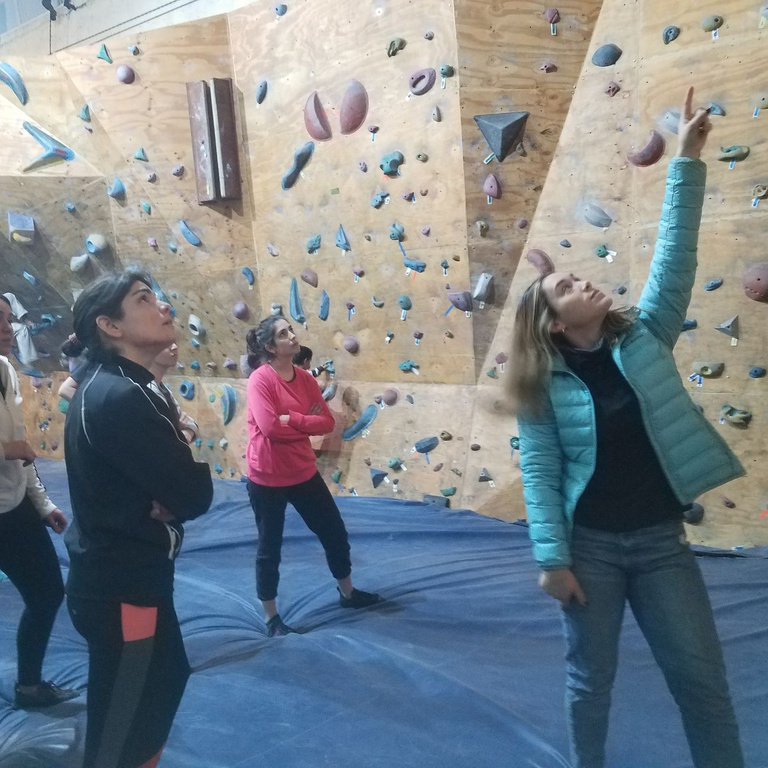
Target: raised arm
{"points": [[667, 292]]}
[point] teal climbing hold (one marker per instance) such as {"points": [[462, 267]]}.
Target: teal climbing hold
{"points": [[54, 150], [367, 418], [104, 54], [116, 189], [313, 244], [12, 79], [297, 311], [228, 403], [188, 234], [140, 154], [325, 306], [85, 113], [146, 207]]}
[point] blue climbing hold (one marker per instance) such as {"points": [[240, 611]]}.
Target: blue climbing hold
{"points": [[757, 372], [116, 189], [377, 476], [85, 113], [416, 266], [379, 199], [248, 274], [228, 403], [188, 234], [30, 278], [341, 240], [426, 444], [280, 9], [367, 418], [325, 306], [54, 150], [194, 365], [187, 390], [12, 79], [297, 311], [313, 244], [713, 285], [407, 365], [689, 325]]}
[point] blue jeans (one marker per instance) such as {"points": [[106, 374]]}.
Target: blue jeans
{"points": [[654, 569]]}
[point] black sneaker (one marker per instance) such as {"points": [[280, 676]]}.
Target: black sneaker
{"points": [[276, 627], [359, 599], [46, 694]]}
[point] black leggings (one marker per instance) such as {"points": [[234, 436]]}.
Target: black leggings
{"points": [[137, 672], [29, 560], [314, 502]]}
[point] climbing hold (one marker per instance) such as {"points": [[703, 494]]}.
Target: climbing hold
{"points": [[188, 234], [606, 55], [394, 46], [358, 272], [474, 447], [247, 273], [187, 390], [422, 81], [713, 285], [151, 177], [711, 23], [422, 157], [390, 396], [351, 344], [540, 260], [125, 74], [211, 366], [330, 391], [521, 223], [757, 372], [552, 15], [437, 115], [729, 327], [649, 154], [426, 444], [309, 276], [228, 403], [116, 189], [446, 70], [377, 476], [760, 191], [671, 120], [240, 310], [429, 35], [196, 327], [693, 514], [70, 207], [612, 88], [104, 54], [425, 231], [690, 325], [261, 91], [415, 265], [152, 242], [485, 477], [484, 288], [461, 300], [547, 66], [728, 503], [140, 154], [146, 207], [408, 365], [315, 119], [325, 306], [272, 250], [134, 50], [341, 239], [30, 278], [363, 166], [716, 109], [378, 200], [354, 108], [503, 131], [378, 303], [669, 34], [565, 243], [84, 114], [313, 243], [448, 491], [229, 364], [735, 416], [762, 102], [367, 418], [21, 228], [482, 227], [297, 311], [396, 232], [733, 153], [300, 159], [596, 216], [709, 370], [96, 243], [754, 280], [620, 289], [54, 150], [280, 9], [178, 170], [13, 80], [390, 164], [79, 263], [492, 186]]}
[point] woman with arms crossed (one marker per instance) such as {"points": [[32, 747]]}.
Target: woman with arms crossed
{"points": [[611, 449]]}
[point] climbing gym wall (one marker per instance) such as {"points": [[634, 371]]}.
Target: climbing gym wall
{"points": [[386, 221]]}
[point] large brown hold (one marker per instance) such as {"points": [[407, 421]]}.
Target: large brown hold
{"points": [[354, 107], [755, 281], [203, 152], [225, 136]]}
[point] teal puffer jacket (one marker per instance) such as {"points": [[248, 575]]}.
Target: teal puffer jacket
{"points": [[558, 448]]}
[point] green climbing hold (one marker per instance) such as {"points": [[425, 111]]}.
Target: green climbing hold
{"points": [[211, 398], [448, 491], [336, 476]]}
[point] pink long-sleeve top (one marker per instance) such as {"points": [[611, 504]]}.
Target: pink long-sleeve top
{"points": [[279, 453]]}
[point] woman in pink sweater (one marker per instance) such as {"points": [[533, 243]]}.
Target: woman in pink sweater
{"points": [[285, 407]]}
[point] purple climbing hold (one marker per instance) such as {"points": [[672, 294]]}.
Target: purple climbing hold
{"points": [[422, 81], [351, 344], [240, 310], [125, 74]]}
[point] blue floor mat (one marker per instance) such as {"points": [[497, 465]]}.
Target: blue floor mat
{"points": [[462, 667]]}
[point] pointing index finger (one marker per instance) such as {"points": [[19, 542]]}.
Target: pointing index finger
{"points": [[688, 105]]}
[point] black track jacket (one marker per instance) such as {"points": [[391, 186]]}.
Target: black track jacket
{"points": [[123, 451]]}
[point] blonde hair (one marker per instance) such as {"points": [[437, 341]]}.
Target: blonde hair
{"points": [[534, 346]]}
